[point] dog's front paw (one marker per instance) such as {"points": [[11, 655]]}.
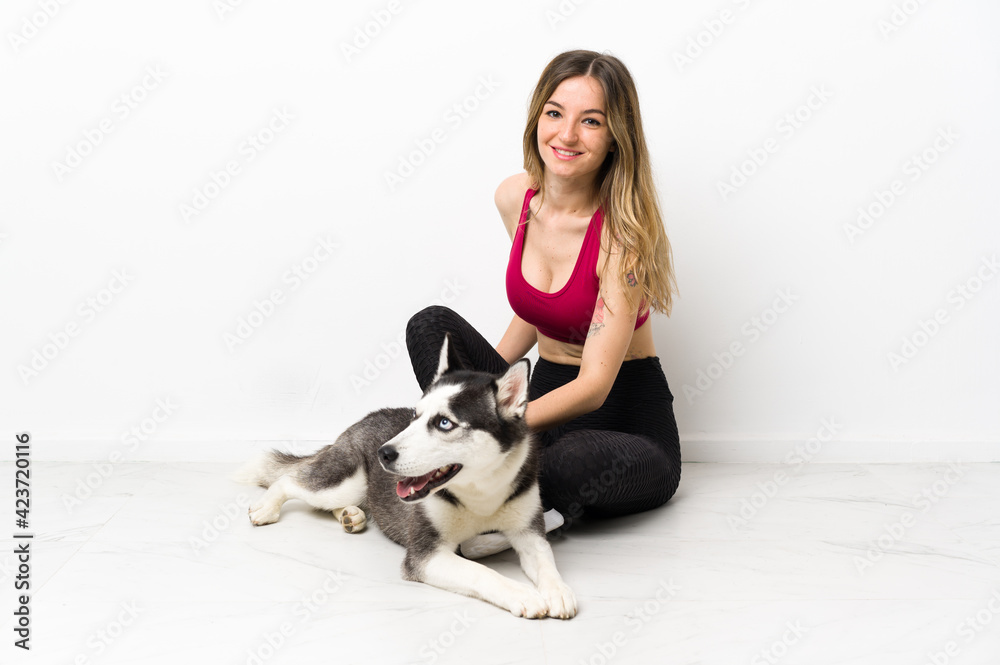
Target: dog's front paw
{"points": [[353, 519], [529, 604], [263, 513], [560, 599]]}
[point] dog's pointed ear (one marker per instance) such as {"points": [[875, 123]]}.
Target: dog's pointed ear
{"points": [[512, 390], [448, 359]]}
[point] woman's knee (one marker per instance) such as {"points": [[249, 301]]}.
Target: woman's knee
{"points": [[433, 316], [427, 327]]}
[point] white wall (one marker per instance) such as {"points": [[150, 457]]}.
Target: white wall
{"points": [[879, 99]]}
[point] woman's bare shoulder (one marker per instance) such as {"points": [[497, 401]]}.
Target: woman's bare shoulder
{"points": [[509, 197]]}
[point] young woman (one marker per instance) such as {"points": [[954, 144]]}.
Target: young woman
{"points": [[590, 259]]}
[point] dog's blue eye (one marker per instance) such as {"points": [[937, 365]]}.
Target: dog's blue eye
{"points": [[444, 424]]}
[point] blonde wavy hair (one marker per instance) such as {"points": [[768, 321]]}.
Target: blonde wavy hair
{"points": [[626, 192]]}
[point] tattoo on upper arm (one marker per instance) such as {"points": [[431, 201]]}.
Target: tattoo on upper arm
{"points": [[597, 322]]}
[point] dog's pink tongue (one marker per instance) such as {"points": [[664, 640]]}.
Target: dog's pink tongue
{"points": [[403, 486]]}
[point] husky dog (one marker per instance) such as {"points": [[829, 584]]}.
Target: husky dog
{"points": [[462, 463]]}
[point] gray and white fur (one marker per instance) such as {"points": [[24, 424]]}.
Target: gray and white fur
{"points": [[465, 462]]}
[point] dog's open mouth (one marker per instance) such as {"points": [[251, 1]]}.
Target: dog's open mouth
{"points": [[413, 489]]}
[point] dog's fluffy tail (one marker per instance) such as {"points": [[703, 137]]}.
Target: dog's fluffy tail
{"points": [[266, 467]]}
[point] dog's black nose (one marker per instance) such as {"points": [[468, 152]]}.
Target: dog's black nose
{"points": [[388, 454]]}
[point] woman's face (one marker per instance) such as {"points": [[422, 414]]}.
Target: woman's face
{"points": [[573, 133]]}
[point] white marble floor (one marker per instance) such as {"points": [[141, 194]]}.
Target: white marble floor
{"points": [[820, 564]]}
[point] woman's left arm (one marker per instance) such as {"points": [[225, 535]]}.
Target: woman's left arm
{"points": [[611, 329]]}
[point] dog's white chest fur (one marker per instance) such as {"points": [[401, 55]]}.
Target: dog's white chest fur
{"points": [[459, 523]]}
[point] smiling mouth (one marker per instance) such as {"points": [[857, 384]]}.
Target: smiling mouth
{"points": [[565, 153], [416, 488]]}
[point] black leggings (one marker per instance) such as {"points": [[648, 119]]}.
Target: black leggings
{"points": [[622, 458]]}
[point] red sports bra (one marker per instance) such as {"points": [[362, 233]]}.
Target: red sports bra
{"points": [[566, 314]]}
